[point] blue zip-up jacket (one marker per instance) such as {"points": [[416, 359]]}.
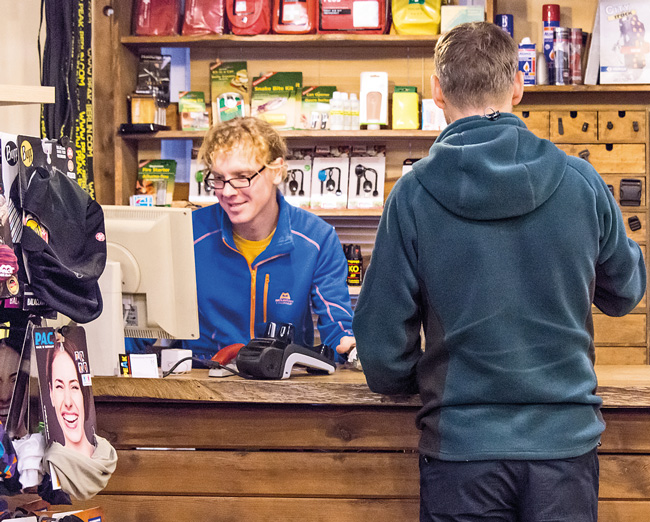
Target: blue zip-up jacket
{"points": [[497, 244], [303, 268]]}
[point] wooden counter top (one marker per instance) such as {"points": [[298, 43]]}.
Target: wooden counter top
{"points": [[619, 386]]}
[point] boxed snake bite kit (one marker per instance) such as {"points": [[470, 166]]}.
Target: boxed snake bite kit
{"points": [[277, 98]]}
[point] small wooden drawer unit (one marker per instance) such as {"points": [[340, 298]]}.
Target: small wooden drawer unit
{"points": [[611, 158], [621, 126], [574, 126], [628, 330], [536, 121]]}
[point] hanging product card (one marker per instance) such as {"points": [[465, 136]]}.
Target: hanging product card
{"points": [[68, 408], [200, 191], [277, 98], [297, 187], [329, 179], [624, 41], [191, 107], [229, 90], [315, 109], [156, 179], [367, 173]]}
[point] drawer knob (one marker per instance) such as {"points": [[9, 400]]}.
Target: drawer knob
{"points": [[634, 222], [630, 192], [610, 125], [584, 154], [635, 126], [560, 127], [585, 126]]}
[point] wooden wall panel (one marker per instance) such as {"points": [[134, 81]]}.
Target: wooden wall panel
{"points": [[621, 355], [626, 432], [136, 508], [625, 477], [278, 427], [627, 330]]}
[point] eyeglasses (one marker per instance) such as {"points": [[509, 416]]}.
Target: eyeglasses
{"points": [[212, 183]]}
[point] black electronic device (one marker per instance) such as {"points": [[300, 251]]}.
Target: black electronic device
{"points": [[275, 355], [360, 171], [138, 128], [326, 177], [293, 183]]}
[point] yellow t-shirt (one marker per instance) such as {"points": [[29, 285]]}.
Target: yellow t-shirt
{"points": [[251, 249]]}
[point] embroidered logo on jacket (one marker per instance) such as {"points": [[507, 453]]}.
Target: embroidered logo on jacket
{"points": [[285, 299]]}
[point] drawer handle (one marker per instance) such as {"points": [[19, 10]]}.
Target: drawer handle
{"points": [[585, 126], [630, 192], [611, 189], [584, 154], [635, 126], [634, 222], [610, 125], [560, 127]]}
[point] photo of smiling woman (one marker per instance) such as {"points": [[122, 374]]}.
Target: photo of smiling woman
{"points": [[70, 395]]}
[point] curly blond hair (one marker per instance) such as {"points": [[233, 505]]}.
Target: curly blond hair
{"points": [[254, 135]]}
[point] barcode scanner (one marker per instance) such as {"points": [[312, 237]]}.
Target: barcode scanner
{"points": [[293, 184], [360, 171]]}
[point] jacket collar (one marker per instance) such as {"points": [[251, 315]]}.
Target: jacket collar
{"points": [[282, 242]]}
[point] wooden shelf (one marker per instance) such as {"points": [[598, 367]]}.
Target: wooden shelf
{"points": [[360, 135], [281, 40], [346, 212], [586, 88], [23, 94]]}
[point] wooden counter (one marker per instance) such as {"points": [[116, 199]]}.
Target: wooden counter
{"points": [[311, 448]]}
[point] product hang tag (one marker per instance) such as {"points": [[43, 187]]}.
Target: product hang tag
{"points": [[365, 14]]}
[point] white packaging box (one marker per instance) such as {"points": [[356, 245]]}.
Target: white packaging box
{"points": [[453, 15], [367, 176], [329, 179]]}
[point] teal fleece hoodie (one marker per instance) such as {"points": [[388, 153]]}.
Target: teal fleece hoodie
{"points": [[496, 245]]}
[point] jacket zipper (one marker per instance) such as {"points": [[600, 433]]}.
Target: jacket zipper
{"points": [[266, 293], [253, 285]]}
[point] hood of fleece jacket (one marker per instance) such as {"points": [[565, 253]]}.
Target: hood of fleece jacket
{"points": [[482, 170]]}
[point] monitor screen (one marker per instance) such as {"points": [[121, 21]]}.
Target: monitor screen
{"points": [[154, 247]]}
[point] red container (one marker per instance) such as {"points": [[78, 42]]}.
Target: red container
{"points": [[295, 16], [249, 17], [156, 17], [352, 16], [203, 17]]}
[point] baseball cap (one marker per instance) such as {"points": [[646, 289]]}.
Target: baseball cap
{"points": [[64, 270]]}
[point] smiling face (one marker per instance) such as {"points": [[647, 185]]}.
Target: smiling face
{"points": [[67, 398], [253, 210], [9, 361]]}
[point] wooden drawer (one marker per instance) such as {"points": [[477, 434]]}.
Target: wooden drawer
{"points": [[536, 121], [640, 235], [611, 158], [615, 181], [622, 126], [574, 126], [627, 330]]}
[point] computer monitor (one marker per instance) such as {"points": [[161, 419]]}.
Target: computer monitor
{"points": [[154, 247], [149, 283]]}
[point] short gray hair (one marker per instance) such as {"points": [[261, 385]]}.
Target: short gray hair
{"points": [[476, 64]]}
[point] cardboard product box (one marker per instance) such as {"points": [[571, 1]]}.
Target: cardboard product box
{"points": [[229, 90], [624, 41], [330, 175], [277, 98], [367, 175], [316, 107], [297, 187]]}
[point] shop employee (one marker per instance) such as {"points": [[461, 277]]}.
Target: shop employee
{"points": [[258, 258]]}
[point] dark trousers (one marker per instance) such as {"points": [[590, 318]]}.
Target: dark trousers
{"points": [[560, 490]]}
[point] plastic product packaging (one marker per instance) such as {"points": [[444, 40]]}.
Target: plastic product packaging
{"points": [[295, 16], [203, 17], [156, 17], [249, 17], [416, 18]]}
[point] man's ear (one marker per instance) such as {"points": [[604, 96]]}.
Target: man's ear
{"points": [[279, 168], [438, 97], [518, 92]]}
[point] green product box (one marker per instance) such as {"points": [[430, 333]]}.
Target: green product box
{"points": [[277, 98], [156, 179], [191, 107], [229, 90], [316, 107]]}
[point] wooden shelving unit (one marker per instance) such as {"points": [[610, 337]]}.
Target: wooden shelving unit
{"points": [[25, 94]]}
